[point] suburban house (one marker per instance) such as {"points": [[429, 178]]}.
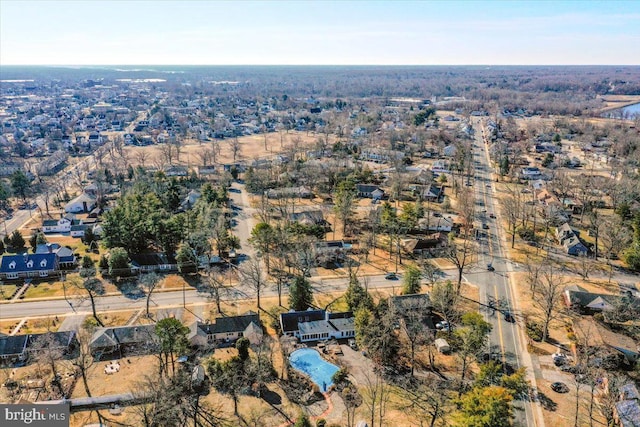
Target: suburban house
{"points": [[440, 166], [530, 173], [190, 200], [153, 262], [429, 245], [578, 298], [17, 348], [379, 155], [433, 193], [84, 203], [606, 343], [317, 325], [570, 240], [66, 257], [405, 303], [436, 222], [627, 409], [315, 217], [13, 349], [449, 151], [61, 225], [226, 330], [28, 266], [64, 342], [123, 339], [329, 251], [370, 191], [299, 192]]}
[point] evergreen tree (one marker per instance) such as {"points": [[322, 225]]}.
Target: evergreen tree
{"points": [[300, 294]]}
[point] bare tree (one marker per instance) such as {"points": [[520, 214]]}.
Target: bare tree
{"points": [[549, 289], [252, 272], [376, 394], [512, 205], [614, 237], [460, 252], [426, 399], [149, 282], [235, 147], [47, 351], [216, 285]]}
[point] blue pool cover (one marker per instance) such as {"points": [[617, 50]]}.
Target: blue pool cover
{"points": [[309, 362]]}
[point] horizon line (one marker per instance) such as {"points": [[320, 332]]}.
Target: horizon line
{"points": [[320, 65]]}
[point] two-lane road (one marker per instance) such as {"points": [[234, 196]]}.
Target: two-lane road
{"points": [[506, 339]]}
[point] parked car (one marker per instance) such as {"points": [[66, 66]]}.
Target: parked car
{"points": [[492, 215], [559, 387], [485, 226], [352, 344], [443, 326], [391, 276], [490, 267]]}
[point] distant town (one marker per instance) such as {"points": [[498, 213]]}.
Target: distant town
{"points": [[322, 246]]}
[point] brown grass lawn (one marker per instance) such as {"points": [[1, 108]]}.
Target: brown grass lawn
{"points": [[251, 147]]}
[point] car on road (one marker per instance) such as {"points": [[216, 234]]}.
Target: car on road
{"points": [[391, 276], [488, 185], [490, 267], [559, 387], [509, 317]]}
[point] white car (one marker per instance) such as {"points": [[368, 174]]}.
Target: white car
{"points": [[443, 326]]}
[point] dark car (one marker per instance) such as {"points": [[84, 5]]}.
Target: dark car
{"points": [[485, 226], [559, 387], [492, 215], [490, 267], [235, 190], [391, 276], [509, 317]]}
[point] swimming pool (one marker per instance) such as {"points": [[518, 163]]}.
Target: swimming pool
{"points": [[309, 362]]}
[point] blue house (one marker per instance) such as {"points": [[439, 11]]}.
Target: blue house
{"points": [[28, 266]]}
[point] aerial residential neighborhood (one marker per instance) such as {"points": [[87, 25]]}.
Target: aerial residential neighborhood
{"points": [[316, 245]]}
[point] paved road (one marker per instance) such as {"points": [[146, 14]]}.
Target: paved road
{"points": [[495, 287], [61, 307]]}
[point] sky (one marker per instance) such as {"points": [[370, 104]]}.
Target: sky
{"points": [[93, 32]]}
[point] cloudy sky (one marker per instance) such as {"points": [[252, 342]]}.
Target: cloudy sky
{"points": [[95, 32]]}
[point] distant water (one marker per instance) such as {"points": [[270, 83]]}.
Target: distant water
{"points": [[630, 111]]}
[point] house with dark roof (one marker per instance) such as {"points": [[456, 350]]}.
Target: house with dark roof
{"points": [[570, 240], [66, 257], [13, 349], [370, 191], [22, 266], [64, 342], [18, 348], [225, 330], [311, 217], [331, 251], [627, 409], [138, 339], [153, 262], [430, 245], [579, 299], [317, 325], [433, 193]]}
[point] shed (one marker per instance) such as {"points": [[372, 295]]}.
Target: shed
{"points": [[442, 345]]}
